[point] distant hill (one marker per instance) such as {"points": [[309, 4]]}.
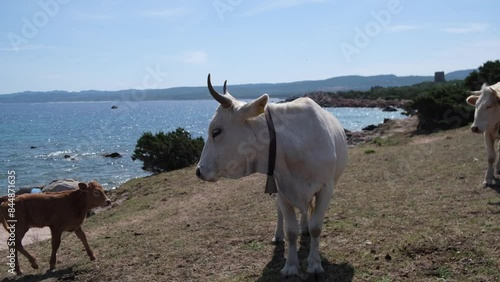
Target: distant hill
{"points": [[242, 91]]}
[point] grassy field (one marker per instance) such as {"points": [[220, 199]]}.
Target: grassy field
{"points": [[406, 209]]}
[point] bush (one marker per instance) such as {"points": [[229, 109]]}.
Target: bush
{"points": [[165, 152], [443, 108]]}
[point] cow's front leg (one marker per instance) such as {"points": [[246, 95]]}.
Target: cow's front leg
{"points": [[292, 233], [490, 148], [279, 234]]}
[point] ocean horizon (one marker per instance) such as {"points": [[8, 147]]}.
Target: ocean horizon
{"points": [[42, 142]]}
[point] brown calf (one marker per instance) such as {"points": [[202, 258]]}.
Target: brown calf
{"points": [[61, 211]]}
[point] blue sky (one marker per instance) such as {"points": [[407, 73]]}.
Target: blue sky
{"points": [[110, 45]]}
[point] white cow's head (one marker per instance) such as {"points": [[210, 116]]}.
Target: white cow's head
{"points": [[487, 113], [232, 146]]}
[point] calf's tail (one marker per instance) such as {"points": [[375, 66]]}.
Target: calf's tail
{"points": [[2, 218]]}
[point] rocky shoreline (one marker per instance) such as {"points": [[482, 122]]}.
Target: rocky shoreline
{"points": [[327, 100]]}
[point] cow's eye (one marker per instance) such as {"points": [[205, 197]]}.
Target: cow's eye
{"points": [[216, 132]]}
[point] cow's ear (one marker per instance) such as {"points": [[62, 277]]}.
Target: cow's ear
{"points": [[471, 100], [497, 93], [83, 186], [254, 108]]}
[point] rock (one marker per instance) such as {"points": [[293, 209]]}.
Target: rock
{"points": [[24, 190], [61, 185], [113, 155], [386, 120], [67, 156], [370, 127], [389, 109], [33, 147], [114, 107]]}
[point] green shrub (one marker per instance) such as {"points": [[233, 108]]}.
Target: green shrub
{"points": [[165, 152], [443, 108]]}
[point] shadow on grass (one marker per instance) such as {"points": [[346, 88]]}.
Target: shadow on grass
{"points": [[60, 274], [496, 186], [333, 272]]}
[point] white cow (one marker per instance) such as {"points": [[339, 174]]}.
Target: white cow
{"points": [[487, 121], [310, 157]]}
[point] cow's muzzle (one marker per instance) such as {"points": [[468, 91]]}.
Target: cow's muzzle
{"points": [[205, 177], [475, 129], [198, 173]]}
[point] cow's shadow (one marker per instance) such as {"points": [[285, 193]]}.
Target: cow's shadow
{"points": [[495, 186], [60, 274], [333, 272]]}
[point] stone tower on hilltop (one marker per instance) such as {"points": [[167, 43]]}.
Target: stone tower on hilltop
{"points": [[439, 76]]}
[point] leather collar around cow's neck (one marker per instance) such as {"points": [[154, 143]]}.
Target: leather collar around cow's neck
{"points": [[271, 181]]}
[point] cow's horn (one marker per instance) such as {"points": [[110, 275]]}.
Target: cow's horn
{"points": [[225, 101], [225, 87]]}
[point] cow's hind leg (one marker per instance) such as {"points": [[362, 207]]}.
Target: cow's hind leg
{"points": [[315, 225], [292, 233], [279, 234], [81, 235], [304, 225]]}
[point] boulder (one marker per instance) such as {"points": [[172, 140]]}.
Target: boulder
{"points": [[61, 185], [389, 109], [28, 190], [113, 155], [370, 127]]}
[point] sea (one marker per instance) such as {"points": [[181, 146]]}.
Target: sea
{"points": [[36, 139]]}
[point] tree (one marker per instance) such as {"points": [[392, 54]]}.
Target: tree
{"points": [[166, 152], [489, 72]]}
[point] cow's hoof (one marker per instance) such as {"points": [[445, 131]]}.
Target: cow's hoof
{"points": [[34, 265], [92, 257], [289, 272], [19, 272], [278, 241]]}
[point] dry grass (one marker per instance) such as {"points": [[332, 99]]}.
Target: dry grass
{"points": [[414, 211]]}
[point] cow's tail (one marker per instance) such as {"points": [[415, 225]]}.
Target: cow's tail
{"points": [[312, 206], [2, 218]]}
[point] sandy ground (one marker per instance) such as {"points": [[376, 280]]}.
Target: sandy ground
{"points": [[33, 235]]}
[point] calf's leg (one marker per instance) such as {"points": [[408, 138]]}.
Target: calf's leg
{"points": [[20, 232], [81, 235], [56, 242]]}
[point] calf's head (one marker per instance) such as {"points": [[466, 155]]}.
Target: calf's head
{"points": [[232, 145], [487, 113], [96, 197]]}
